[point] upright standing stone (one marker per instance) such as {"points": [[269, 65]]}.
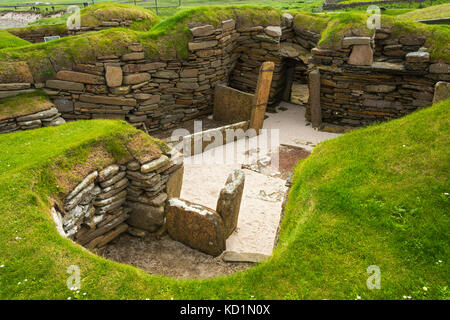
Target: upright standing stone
{"points": [[196, 226], [175, 182], [229, 201], [314, 98], [441, 91]]}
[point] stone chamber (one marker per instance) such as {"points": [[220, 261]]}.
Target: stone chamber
{"points": [[366, 80]]}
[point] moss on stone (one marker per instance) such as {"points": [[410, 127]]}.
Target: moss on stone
{"points": [[23, 104]]}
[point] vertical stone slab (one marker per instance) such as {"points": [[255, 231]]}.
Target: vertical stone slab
{"points": [[175, 182], [441, 91], [314, 98], [229, 201], [262, 95], [196, 226]]}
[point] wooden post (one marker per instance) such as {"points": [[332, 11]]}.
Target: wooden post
{"points": [[261, 95]]}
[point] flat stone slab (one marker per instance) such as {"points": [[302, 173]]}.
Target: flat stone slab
{"points": [[350, 41], [232, 256], [229, 202], [418, 57], [196, 226]]}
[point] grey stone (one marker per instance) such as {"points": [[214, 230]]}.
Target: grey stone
{"points": [[417, 57], [195, 226], [155, 164], [229, 202], [82, 185], [441, 91], [273, 31], [350, 41], [65, 85], [145, 217]]}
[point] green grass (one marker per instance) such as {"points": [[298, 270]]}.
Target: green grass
{"points": [[434, 12], [374, 196], [23, 104], [7, 40]]}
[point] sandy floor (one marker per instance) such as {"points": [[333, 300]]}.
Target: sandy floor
{"points": [[169, 258]]}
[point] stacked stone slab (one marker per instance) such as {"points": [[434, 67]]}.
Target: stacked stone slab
{"points": [[159, 94], [359, 87], [147, 196], [45, 118], [116, 199]]}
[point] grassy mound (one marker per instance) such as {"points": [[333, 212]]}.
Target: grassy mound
{"points": [[8, 40], [334, 26], [24, 104], [434, 12], [375, 196]]}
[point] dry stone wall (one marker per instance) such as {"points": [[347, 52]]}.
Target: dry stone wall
{"points": [[367, 79], [116, 199], [375, 79]]}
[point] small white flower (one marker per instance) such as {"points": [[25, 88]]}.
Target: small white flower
{"points": [[404, 145], [18, 238], [19, 283], [440, 261], [2, 266], [425, 289], [446, 193], [252, 296], [78, 291], [25, 280], [69, 298], [147, 299], [358, 297], [404, 297], [409, 297], [84, 293]]}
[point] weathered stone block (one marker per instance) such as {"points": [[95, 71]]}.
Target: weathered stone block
{"points": [[65, 85], [155, 164], [175, 182], [229, 201], [232, 105], [418, 57], [202, 45], [202, 31], [441, 91], [136, 78], [196, 226], [114, 76], [166, 74], [273, 31], [117, 101], [378, 88], [145, 217], [228, 25], [350, 41], [133, 56], [79, 77], [439, 68], [362, 55]]}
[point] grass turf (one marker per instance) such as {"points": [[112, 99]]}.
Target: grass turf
{"points": [[374, 196], [25, 103]]}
